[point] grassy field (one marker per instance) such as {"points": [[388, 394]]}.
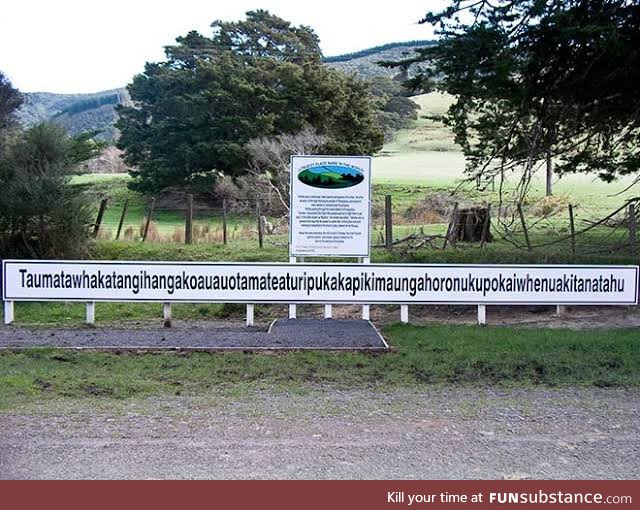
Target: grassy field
{"points": [[414, 212], [591, 201], [427, 155], [419, 163], [428, 135], [429, 355], [422, 165], [166, 221]]}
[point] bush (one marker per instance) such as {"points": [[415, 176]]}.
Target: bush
{"points": [[550, 206], [267, 177], [433, 208], [41, 215]]}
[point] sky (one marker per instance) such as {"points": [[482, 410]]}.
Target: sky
{"points": [[76, 46]]}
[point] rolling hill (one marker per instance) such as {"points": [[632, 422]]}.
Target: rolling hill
{"points": [[75, 112]]}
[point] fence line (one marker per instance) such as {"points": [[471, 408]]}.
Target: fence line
{"points": [[502, 228]]}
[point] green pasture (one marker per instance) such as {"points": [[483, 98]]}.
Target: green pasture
{"points": [[167, 222], [420, 161], [426, 155], [591, 201], [423, 172], [427, 134], [547, 220]]}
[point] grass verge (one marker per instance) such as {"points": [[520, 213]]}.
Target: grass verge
{"points": [[424, 355]]}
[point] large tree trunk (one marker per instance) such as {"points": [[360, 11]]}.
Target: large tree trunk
{"points": [[549, 191]]}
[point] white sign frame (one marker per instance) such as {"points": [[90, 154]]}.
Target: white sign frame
{"points": [[11, 270], [294, 185]]}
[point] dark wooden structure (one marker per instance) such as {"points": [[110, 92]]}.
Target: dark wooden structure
{"points": [[469, 224]]}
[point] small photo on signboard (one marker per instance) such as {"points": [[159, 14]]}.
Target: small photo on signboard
{"points": [[330, 206]]}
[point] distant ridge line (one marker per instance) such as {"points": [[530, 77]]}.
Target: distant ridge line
{"points": [[376, 49]]}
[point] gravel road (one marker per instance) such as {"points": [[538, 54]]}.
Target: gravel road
{"points": [[331, 433]]}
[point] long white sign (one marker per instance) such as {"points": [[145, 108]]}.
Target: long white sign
{"points": [[318, 283], [330, 212]]}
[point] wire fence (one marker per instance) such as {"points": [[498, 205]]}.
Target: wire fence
{"points": [[576, 229], [583, 231]]}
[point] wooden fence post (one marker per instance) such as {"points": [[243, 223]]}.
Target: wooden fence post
{"points": [[524, 227], [485, 227], [388, 223], [188, 225], [452, 220], [103, 206], [224, 221], [632, 230], [260, 226], [149, 214], [572, 226], [124, 213]]}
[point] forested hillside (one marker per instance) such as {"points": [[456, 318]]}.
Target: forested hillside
{"points": [[75, 112], [365, 62]]}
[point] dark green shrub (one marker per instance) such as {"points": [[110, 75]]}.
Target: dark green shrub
{"points": [[41, 216]]}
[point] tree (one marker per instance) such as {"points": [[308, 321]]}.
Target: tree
{"points": [[269, 160], [395, 110], [539, 82], [41, 215], [194, 114], [10, 101]]}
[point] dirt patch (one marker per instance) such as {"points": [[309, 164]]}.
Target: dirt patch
{"points": [[340, 333]]}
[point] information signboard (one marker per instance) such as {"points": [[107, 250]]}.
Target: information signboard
{"points": [[330, 212]]}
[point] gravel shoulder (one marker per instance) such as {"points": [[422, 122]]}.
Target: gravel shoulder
{"points": [[331, 433], [282, 334]]}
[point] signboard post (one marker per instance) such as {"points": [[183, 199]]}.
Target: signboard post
{"points": [[330, 214]]}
